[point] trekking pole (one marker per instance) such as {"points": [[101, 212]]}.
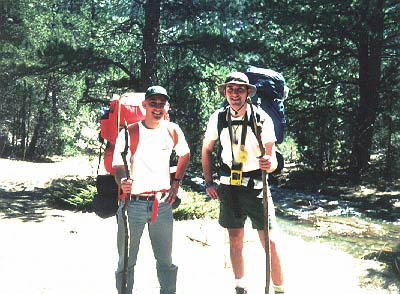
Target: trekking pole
{"points": [[124, 217], [265, 204]]}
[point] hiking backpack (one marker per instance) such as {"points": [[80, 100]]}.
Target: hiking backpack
{"points": [[105, 202], [126, 108], [122, 109], [270, 95]]}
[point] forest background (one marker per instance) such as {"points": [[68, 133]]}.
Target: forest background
{"points": [[62, 60]]}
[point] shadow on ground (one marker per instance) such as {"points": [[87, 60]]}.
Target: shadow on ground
{"points": [[28, 206]]}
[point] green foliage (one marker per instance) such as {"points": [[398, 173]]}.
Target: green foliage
{"points": [[332, 73], [289, 150], [81, 136], [61, 60], [196, 206], [77, 194], [72, 193]]}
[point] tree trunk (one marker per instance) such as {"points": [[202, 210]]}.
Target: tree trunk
{"points": [[31, 151], [389, 146], [323, 144], [151, 32], [370, 53], [23, 124], [54, 101]]}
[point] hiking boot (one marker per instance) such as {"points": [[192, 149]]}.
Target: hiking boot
{"points": [[240, 290]]}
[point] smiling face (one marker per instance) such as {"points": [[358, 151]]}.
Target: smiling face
{"points": [[156, 107], [236, 95]]}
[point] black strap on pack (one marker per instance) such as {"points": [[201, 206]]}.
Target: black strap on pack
{"points": [[223, 120], [222, 123], [243, 136], [124, 153], [101, 151], [234, 196]]}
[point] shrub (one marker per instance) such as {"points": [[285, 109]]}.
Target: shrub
{"points": [[77, 194], [196, 206], [72, 193]]}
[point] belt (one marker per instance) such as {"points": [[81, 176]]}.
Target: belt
{"points": [[144, 197], [148, 197], [252, 175]]}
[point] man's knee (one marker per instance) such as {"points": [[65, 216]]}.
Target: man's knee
{"points": [[236, 238]]}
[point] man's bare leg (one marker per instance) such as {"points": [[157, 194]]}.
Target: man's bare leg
{"points": [[236, 248], [276, 269]]}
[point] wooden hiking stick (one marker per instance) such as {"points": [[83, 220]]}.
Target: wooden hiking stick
{"points": [[265, 204], [125, 276], [124, 217]]}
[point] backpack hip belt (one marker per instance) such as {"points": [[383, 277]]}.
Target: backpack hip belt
{"points": [[225, 171]]}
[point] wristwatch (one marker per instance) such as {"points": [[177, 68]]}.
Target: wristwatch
{"points": [[209, 184]]}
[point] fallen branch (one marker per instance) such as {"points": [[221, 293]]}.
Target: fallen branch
{"points": [[198, 241]]}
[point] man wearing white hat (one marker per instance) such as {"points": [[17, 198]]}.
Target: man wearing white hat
{"points": [[240, 184]]}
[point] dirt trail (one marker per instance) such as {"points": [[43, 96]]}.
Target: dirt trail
{"points": [[47, 251]]}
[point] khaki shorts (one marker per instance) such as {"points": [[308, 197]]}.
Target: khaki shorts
{"points": [[250, 205]]}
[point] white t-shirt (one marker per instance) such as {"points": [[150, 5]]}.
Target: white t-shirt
{"points": [[150, 163], [251, 144]]}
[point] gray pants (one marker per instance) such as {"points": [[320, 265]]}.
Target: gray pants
{"points": [[160, 232]]}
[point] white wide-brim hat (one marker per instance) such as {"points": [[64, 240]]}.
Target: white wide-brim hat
{"points": [[237, 78]]}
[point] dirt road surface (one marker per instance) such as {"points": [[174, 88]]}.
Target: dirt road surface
{"points": [[48, 251]]}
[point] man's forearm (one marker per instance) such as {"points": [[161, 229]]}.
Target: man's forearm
{"points": [[206, 164], [183, 162], [119, 173], [270, 150]]}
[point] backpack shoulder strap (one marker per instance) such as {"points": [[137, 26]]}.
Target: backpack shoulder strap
{"points": [[133, 130], [257, 109], [222, 121]]}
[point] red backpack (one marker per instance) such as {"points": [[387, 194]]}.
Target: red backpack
{"points": [[125, 108]]}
